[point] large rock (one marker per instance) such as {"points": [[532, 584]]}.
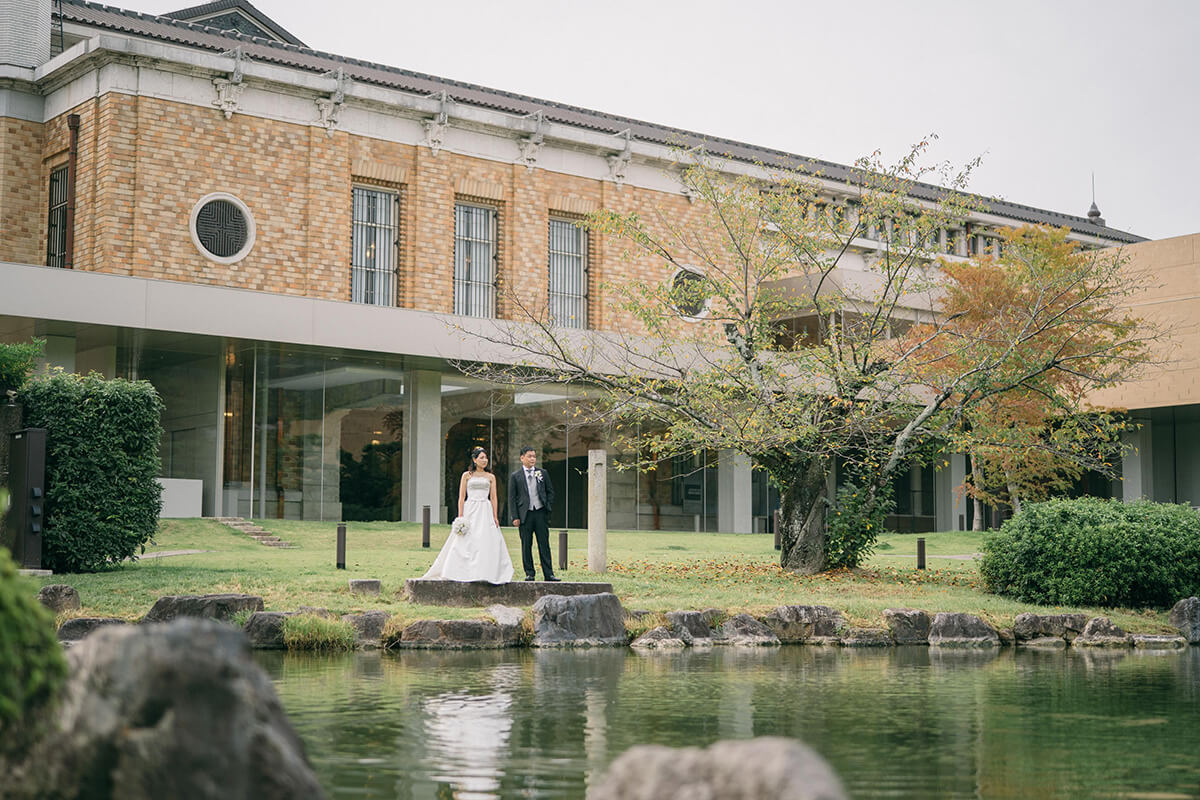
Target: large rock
{"points": [[746, 631], [59, 597], [1186, 616], [584, 620], [209, 606], [1037, 626], [662, 638], [156, 711], [867, 637], [768, 768], [74, 630], [908, 625], [1101, 632], [458, 634], [961, 630], [694, 622], [1143, 641], [795, 624], [506, 616], [368, 627], [264, 630]]}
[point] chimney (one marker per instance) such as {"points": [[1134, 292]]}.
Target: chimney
{"points": [[25, 32]]}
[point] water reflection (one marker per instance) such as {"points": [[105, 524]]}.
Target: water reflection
{"points": [[902, 722]]}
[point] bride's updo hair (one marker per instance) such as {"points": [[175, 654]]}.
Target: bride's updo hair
{"points": [[475, 451]]}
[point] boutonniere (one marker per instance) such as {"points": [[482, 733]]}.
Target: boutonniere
{"points": [[538, 474]]}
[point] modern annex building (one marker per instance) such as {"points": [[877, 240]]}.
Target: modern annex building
{"points": [[290, 245]]}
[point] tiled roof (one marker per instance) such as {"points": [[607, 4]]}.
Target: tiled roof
{"points": [[261, 20], [290, 55]]}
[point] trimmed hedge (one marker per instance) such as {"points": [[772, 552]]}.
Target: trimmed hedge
{"points": [[17, 362], [32, 667], [102, 440], [1092, 552]]}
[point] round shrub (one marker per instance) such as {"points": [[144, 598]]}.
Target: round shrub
{"points": [[32, 667], [1096, 552], [102, 440]]}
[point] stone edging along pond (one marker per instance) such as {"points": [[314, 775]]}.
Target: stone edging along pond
{"points": [[599, 620]]}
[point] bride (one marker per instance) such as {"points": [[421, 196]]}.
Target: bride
{"points": [[479, 552]]}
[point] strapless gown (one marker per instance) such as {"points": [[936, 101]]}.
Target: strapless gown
{"points": [[481, 553]]}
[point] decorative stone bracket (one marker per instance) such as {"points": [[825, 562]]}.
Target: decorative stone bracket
{"points": [[330, 108], [531, 146], [435, 129], [618, 163], [229, 90]]}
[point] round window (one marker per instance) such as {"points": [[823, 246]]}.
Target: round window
{"points": [[688, 293], [222, 228]]}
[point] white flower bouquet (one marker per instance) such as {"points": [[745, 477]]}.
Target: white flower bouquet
{"points": [[459, 526]]}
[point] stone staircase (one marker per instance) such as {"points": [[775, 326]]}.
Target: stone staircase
{"points": [[256, 533]]}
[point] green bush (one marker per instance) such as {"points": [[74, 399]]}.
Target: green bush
{"points": [[16, 363], [102, 440], [855, 520], [1095, 552], [32, 667]]}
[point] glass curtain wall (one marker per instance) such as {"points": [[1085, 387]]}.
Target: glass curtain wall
{"points": [[313, 435]]}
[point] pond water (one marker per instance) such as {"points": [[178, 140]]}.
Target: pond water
{"points": [[898, 723]]}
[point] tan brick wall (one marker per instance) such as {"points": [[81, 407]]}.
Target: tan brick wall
{"points": [[1171, 270], [23, 193], [145, 162]]}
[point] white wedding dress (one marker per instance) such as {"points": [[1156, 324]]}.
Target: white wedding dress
{"points": [[480, 554]]}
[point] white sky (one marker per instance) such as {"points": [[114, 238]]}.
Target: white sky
{"points": [[1047, 91]]}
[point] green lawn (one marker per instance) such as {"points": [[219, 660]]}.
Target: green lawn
{"points": [[657, 571]]}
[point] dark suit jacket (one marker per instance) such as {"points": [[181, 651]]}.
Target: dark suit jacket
{"points": [[518, 493]]}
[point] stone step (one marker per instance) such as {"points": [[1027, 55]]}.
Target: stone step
{"points": [[279, 544], [266, 539]]}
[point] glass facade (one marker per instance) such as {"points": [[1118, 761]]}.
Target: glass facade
{"points": [[312, 434]]}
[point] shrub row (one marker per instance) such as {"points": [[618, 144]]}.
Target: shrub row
{"points": [[102, 440], [1092, 552]]}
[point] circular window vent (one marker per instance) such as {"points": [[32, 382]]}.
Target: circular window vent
{"points": [[222, 228], [688, 293]]}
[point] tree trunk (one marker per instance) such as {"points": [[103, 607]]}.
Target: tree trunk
{"points": [[802, 517]]}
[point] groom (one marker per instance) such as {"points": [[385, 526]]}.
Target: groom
{"points": [[530, 496]]}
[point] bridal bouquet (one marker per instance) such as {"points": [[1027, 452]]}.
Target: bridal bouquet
{"points": [[459, 526]]}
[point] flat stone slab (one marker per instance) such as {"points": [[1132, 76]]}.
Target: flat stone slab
{"points": [[481, 593]]}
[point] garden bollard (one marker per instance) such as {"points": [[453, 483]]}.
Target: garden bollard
{"points": [[424, 526], [921, 553], [341, 545], [778, 532], [562, 549]]}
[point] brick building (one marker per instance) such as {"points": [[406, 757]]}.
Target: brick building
{"points": [[294, 247]]}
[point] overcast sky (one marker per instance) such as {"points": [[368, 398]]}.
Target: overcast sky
{"points": [[1047, 91]]}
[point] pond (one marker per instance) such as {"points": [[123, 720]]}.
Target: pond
{"points": [[906, 722]]}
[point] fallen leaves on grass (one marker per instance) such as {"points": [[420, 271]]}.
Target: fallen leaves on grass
{"points": [[731, 570]]}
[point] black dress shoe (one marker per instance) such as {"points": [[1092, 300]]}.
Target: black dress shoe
{"points": [[531, 577], [553, 579]]}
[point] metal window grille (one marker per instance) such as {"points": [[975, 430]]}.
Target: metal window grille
{"points": [[568, 274], [474, 260], [56, 226], [373, 247]]}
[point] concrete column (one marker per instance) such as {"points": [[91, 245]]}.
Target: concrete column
{"points": [[735, 513], [1137, 463], [948, 484], [597, 510], [423, 465]]}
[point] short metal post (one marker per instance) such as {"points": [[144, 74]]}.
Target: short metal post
{"points": [[562, 549], [424, 526], [921, 553], [341, 545], [778, 532]]}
